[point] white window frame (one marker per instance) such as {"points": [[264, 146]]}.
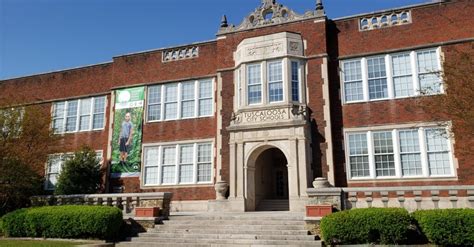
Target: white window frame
{"points": [[263, 97], [268, 82], [390, 77], [177, 146], [180, 100], [290, 86], [78, 115], [62, 159], [395, 129]]}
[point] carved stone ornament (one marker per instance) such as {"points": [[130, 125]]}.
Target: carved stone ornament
{"points": [[269, 13]]}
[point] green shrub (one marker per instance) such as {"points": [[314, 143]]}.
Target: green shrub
{"points": [[71, 221], [367, 225], [447, 226]]}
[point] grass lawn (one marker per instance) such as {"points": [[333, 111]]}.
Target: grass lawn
{"points": [[36, 243]]}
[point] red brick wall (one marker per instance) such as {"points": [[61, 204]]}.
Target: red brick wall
{"points": [[430, 24]]}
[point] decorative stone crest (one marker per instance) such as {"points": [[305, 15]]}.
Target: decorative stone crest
{"points": [[270, 13], [180, 53]]}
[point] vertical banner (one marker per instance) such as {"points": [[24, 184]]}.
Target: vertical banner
{"points": [[127, 132]]}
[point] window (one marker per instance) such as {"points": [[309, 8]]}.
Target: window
{"points": [[154, 103], [383, 154], [392, 76], [295, 81], [353, 81], [79, 115], [427, 71], [275, 81], [378, 88], [402, 77], [180, 100], [187, 100], [358, 155], [171, 101], [187, 163], [398, 153], [54, 166], [254, 82]]}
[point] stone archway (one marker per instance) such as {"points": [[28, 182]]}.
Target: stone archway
{"points": [[267, 180]]}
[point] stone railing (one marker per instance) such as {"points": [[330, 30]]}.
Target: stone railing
{"points": [[127, 202], [411, 198]]}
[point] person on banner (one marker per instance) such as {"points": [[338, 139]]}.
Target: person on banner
{"points": [[125, 138]]}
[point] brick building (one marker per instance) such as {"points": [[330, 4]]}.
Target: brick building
{"points": [[269, 105]]}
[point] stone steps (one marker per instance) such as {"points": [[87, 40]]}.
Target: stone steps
{"points": [[229, 229], [252, 242], [159, 235], [273, 205]]}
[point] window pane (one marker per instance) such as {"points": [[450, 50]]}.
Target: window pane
{"points": [[154, 95], [275, 71], [401, 64], [86, 106], [204, 172], [204, 153], [168, 174], [275, 91], [354, 91], [295, 81], [205, 89], [151, 175], [187, 91], [430, 83], [205, 107], [58, 125], [403, 86], [154, 112], [186, 154], [411, 164], [409, 141], [439, 163], [383, 142], [99, 105], [385, 165], [151, 157], [359, 166], [169, 155], [98, 121], [376, 67], [358, 144], [427, 61], [171, 110], [378, 88], [58, 111], [436, 140], [171, 93], [187, 109], [255, 94], [84, 122], [352, 71], [186, 173]]}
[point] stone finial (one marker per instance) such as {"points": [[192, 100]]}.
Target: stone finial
{"points": [[224, 21], [320, 7]]}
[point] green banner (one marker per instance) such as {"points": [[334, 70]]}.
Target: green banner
{"points": [[127, 132]]}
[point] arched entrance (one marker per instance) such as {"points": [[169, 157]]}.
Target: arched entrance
{"points": [[268, 181]]}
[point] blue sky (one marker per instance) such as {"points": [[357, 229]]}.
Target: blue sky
{"points": [[45, 35]]}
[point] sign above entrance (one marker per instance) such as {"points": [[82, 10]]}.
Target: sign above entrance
{"points": [[274, 114]]}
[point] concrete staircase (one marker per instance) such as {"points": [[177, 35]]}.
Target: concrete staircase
{"points": [[229, 229], [273, 205]]}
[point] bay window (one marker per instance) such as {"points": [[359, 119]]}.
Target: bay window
{"points": [[421, 152]]}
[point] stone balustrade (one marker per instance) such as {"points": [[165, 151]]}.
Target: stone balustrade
{"points": [[127, 202], [411, 198]]}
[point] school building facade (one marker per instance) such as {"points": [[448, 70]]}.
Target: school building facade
{"points": [[259, 112]]}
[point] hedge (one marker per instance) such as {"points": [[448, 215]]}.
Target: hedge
{"points": [[367, 225], [447, 226], [70, 221]]}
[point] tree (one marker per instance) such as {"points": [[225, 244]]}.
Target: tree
{"points": [[457, 104], [81, 174], [26, 139]]}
